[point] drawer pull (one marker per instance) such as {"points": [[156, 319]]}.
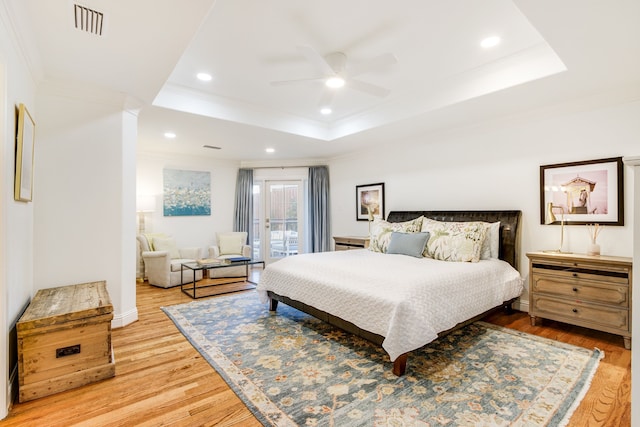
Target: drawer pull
{"points": [[575, 274], [575, 289], [575, 310]]}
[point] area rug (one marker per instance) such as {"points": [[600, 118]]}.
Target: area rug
{"points": [[291, 369]]}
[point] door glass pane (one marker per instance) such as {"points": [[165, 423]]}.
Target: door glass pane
{"points": [[283, 217]]}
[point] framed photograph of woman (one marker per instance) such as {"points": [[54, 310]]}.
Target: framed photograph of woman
{"points": [[369, 201]]}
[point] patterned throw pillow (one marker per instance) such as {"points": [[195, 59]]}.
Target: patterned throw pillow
{"points": [[455, 241], [381, 232]]}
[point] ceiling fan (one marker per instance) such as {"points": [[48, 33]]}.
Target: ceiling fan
{"points": [[336, 72]]}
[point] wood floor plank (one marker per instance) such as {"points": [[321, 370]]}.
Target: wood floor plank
{"points": [[162, 380]]}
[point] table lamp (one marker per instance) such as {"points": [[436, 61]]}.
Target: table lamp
{"points": [[550, 218]]}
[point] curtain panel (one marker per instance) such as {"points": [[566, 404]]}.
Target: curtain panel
{"points": [[319, 221], [243, 214]]}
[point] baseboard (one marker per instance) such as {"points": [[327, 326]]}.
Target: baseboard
{"points": [[521, 305], [124, 319]]}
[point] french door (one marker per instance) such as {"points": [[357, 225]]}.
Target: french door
{"points": [[283, 219]]}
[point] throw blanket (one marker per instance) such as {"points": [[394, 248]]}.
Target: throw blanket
{"points": [[407, 300]]}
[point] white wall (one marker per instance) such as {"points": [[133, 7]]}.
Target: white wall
{"points": [[84, 195], [189, 231], [494, 166], [16, 218]]}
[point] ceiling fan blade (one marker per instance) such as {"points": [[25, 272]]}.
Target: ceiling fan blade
{"points": [[368, 88], [316, 60], [289, 82], [373, 64]]}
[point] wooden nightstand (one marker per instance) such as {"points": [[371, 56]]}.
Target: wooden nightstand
{"points": [[344, 243], [583, 290]]}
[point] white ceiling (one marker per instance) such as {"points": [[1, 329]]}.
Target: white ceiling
{"points": [[551, 52]]}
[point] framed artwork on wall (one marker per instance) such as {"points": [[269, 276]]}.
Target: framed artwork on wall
{"points": [[25, 140], [369, 200], [586, 192], [186, 193]]}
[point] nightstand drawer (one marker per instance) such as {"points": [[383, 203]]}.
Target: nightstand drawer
{"points": [[576, 271], [582, 290], [591, 316], [344, 243]]}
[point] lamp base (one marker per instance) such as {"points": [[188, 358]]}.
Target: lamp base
{"points": [[556, 251]]}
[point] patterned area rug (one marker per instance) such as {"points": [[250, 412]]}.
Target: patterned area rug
{"points": [[291, 369]]}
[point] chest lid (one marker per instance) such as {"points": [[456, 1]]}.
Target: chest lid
{"points": [[64, 304]]}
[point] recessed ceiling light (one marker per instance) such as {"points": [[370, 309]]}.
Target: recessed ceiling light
{"points": [[326, 111], [169, 135], [205, 77], [270, 150], [334, 82], [490, 42]]}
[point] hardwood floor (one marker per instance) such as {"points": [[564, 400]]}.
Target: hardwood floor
{"points": [[162, 380]]}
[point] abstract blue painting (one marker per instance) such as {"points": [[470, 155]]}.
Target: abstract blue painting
{"points": [[186, 193]]}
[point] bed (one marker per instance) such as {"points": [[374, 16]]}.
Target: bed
{"points": [[396, 301]]}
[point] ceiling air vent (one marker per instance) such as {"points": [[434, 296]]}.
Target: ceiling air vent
{"points": [[88, 20]]}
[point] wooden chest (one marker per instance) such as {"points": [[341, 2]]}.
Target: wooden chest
{"points": [[64, 340]]}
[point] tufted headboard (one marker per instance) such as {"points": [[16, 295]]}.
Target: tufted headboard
{"points": [[509, 226]]}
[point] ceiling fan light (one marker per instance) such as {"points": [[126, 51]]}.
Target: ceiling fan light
{"points": [[334, 82]]}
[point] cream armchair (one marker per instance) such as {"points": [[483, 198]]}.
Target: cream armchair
{"points": [[162, 260], [230, 245]]}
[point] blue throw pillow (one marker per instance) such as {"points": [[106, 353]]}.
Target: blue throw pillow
{"points": [[411, 244]]}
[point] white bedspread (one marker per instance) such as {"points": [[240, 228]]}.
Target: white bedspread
{"points": [[406, 300]]}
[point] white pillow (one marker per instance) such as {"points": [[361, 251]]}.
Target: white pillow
{"points": [[166, 244], [491, 245], [231, 244]]}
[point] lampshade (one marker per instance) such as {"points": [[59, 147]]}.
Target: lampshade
{"points": [[549, 218], [145, 203], [370, 212]]}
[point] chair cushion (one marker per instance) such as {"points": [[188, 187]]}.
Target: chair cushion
{"points": [[166, 244], [147, 242], [231, 243]]}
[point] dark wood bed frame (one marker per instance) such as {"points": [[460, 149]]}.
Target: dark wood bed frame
{"points": [[509, 252]]}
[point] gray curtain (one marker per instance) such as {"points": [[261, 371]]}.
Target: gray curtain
{"points": [[319, 221], [243, 215]]}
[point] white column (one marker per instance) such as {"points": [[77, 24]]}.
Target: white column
{"points": [[634, 162]]}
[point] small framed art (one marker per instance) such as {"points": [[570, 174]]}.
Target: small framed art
{"points": [[25, 140], [586, 192], [369, 201]]}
